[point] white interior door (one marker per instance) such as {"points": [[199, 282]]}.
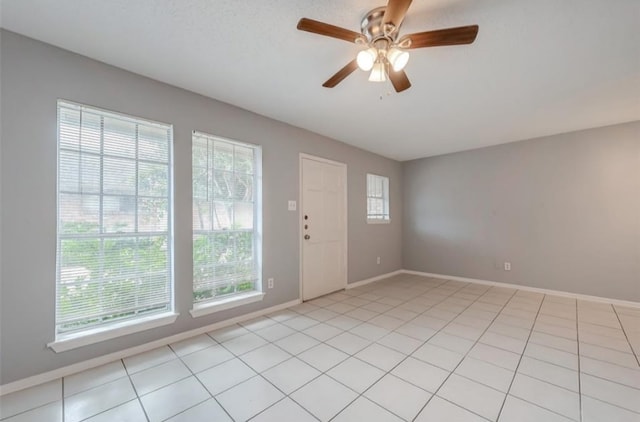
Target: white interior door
{"points": [[324, 226]]}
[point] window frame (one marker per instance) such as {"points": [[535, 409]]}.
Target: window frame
{"points": [[385, 217], [217, 304], [76, 337]]}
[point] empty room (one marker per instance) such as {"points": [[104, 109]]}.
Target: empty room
{"points": [[366, 210]]}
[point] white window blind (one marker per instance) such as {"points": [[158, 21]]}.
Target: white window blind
{"points": [[377, 198], [225, 217], [114, 218]]}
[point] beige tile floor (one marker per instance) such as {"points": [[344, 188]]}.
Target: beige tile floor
{"points": [[406, 348]]}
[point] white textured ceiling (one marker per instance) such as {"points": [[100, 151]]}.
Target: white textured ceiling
{"points": [[538, 67]]}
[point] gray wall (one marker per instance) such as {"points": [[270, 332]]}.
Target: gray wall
{"points": [[564, 210], [34, 75]]}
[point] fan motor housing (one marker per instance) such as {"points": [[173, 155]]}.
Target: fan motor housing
{"points": [[373, 28]]}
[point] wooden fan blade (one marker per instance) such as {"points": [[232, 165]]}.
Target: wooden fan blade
{"points": [[395, 12], [341, 74], [441, 37], [399, 80], [328, 30]]}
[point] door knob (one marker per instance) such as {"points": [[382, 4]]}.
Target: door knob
{"points": [[307, 237]]}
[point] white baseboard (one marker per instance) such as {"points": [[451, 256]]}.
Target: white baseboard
{"points": [[372, 279], [578, 296], [111, 357]]}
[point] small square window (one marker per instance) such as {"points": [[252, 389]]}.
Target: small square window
{"points": [[377, 199]]}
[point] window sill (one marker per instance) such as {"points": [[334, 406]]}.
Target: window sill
{"points": [[374, 221], [96, 335], [208, 308]]}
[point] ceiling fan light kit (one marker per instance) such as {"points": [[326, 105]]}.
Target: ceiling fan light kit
{"points": [[367, 58], [378, 73], [385, 54], [398, 59], [380, 38]]}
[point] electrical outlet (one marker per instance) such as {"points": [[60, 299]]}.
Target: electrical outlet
{"points": [[270, 283], [507, 266], [378, 260]]}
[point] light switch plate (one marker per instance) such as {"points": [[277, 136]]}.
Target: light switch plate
{"points": [[292, 205]]}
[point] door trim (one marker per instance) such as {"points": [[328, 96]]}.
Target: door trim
{"points": [[343, 166]]}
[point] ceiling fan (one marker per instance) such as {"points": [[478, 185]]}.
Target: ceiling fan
{"points": [[385, 54]]}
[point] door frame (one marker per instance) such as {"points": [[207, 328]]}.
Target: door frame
{"points": [[343, 167]]}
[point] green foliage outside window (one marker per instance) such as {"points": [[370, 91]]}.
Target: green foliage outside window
{"points": [[223, 218]]}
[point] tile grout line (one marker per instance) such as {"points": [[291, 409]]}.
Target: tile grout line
{"points": [[587, 343], [137, 398], [625, 335], [286, 396], [193, 374], [564, 367], [135, 390], [62, 401], [614, 405], [515, 372], [467, 353], [579, 371]]}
